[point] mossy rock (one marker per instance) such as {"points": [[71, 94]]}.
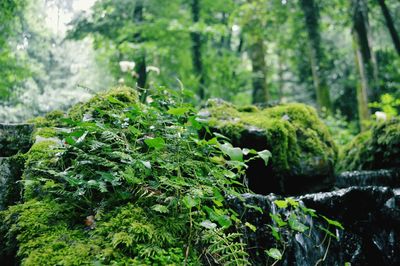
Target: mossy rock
{"points": [[377, 148], [15, 138], [303, 152]]}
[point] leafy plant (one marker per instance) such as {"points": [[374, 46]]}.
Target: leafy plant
{"points": [[291, 217]]}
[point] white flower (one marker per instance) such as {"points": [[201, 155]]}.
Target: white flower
{"points": [[153, 68], [380, 116], [126, 66]]}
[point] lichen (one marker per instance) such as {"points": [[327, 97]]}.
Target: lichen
{"points": [[376, 148]]}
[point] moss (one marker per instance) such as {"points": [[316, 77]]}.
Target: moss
{"points": [[374, 149], [115, 99], [293, 132], [42, 155], [52, 119], [46, 132]]}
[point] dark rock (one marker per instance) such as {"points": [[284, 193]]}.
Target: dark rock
{"points": [[11, 170], [371, 235], [383, 177], [15, 138]]}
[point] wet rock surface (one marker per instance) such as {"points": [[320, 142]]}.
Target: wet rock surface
{"points": [[15, 138], [11, 170], [370, 216], [383, 177]]}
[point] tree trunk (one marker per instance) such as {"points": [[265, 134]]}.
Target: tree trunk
{"points": [[362, 36], [311, 15], [257, 56], [140, 68], [390, 25], [362, 86], [196, 49]]}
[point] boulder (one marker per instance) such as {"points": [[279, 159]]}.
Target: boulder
{"points": [[303, 152], [15, 138], [378, 148]]}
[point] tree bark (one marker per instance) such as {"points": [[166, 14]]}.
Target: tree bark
{"points": [[140, 68], [362, 86], [257, 56], [363, 39], [316, 53], [390, 25], [196, 49]]}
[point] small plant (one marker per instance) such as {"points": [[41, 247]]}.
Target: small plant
{"points": [[291, 217]]}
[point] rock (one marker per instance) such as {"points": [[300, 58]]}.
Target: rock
{"points": [[15, 138], [370, 216], [383, 177], [303, 152], [11, 170], [378, 148]]}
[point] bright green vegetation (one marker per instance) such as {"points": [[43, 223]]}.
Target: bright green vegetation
{"points": [[118, 182], [293, 132], [377, 148], [128, 184]]}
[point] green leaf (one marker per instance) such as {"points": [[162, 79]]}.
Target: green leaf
{"points": [[229, 174], [160, 208], [296, 225], [334, 223], [178, 111], [277, 219], [274, 253], [190, 201], [282, 204], [292, 202], [235, 154], [265, 155], [275, 232], [156, 143], [328, 232], [252, 227]]}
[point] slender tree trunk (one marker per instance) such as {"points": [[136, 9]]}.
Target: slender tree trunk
{"points": [[362, 37], [362, 86], [390, 25], [311, 15], [260, 88], [141, 63], [280, 75], [196, 49]]}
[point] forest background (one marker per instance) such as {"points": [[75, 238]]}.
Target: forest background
{"points": [[341, 56]]}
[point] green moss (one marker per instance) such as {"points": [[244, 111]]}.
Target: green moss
{"points": [[293, 132], [116, 99], [46, 132], [52, 119], [374, 149]]}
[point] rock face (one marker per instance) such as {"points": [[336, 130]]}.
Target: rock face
{"points": [[370, 216], [15, 138], [383, 177], [303, 153]]}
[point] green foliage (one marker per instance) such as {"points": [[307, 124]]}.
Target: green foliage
{"points": [[142, 178], [388, 104], [341, 130]]}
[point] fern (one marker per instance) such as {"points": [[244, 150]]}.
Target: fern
{"points": [[226, 249]]}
